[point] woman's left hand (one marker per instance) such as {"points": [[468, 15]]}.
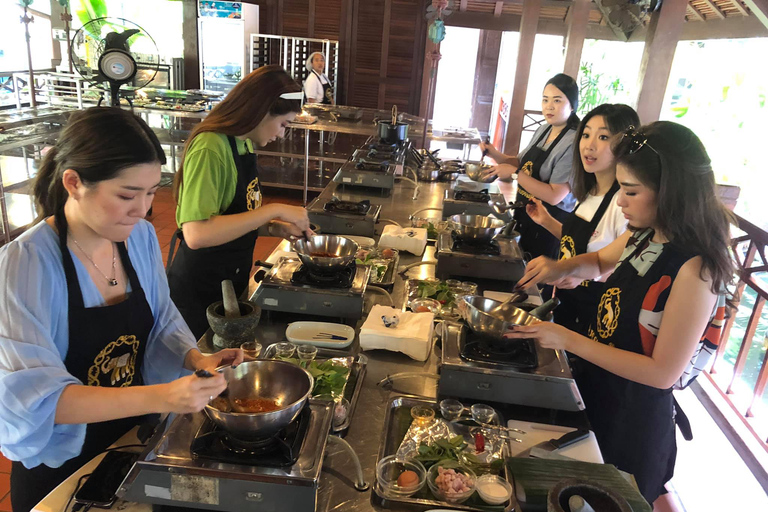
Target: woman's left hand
{"points": [[548, 334], [503, 171], [227, 356]]}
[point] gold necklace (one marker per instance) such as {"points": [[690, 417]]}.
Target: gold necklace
{"points": [[111, 280]]}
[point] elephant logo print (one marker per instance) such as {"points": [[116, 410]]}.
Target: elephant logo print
{"points": [[253, 195], [608, 312], [527, 168], [115, 366], [567, 247]]}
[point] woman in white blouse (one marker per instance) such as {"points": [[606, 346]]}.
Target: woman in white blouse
{"points": [[597, 220], [317, 87]]}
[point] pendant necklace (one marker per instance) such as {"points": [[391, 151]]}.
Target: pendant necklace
{"points": [[111, 280]]}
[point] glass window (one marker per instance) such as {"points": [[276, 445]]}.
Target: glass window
{"points": [[608, 73], [456, 77], [13, 48], [727, 109]]}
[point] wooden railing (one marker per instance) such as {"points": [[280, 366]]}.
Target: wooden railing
{"points": [[749, 251]]}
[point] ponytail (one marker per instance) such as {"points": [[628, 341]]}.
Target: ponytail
{"points": [[48, 190], [97, 143]]}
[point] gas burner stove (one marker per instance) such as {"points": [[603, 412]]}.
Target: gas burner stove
{"points": [[374, 165], [171, 473], [519, 354], [348, 207], [474, 197], [341, 279], [289, 288], [473, 368], [338, 217], [467, 246], [500, 260], [280, 450]]}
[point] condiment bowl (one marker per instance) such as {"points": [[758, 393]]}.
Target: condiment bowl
{"points": [[441, 495], [391, 467], [484, 484]]}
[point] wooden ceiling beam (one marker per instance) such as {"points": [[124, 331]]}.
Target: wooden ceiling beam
{"points": [[497, 9], [760, 9], [741, 9], [715, 8], [574, 39], [695, 12]]}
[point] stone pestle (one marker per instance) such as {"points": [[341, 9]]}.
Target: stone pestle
{"points": [[231, 306]]}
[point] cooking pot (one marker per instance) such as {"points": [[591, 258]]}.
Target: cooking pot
{"points": [[283, 382], [343, 251], [476, 311], [478, 171], [393, 133], [477, 228], [428, 172]]}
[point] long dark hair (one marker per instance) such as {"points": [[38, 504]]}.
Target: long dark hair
{"points": [[568, 86], [670, 159], [98, 143], [244, 107], [618, 117]]}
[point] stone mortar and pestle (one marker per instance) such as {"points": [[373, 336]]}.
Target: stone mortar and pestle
{"points": [[233, 321]]}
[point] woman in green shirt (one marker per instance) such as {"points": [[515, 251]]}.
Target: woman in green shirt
{"points": [[219, 202]]}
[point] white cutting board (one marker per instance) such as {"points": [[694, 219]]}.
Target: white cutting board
{"points": [[585, 450]]}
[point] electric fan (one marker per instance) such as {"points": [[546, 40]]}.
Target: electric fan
{"points": [[114, 52]]}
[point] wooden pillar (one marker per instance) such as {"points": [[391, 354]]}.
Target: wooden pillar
{"points": [[485, 80], [661, 41], [528, 25], [759, 8], [574, 40], [189, 35]]}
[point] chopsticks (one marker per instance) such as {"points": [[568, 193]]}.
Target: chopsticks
{"points": [[328, 336]]}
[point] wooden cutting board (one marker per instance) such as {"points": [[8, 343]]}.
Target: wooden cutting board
{"points": [[585, 450]]}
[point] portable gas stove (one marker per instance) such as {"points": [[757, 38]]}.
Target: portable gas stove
{"points": [[500, 259], [193, 464], [515, 372], [344, 217], [375, 165], [292, 288]]}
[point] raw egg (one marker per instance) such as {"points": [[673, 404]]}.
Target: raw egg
{"points": [[408, 479]]}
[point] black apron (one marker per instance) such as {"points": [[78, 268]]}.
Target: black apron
{"points": [[195, 275], [634, 423], [106, 348], [578, 305], [327, 89], [534, 239]]}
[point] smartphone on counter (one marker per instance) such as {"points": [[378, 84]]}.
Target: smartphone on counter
{"points": [[100, 489]]}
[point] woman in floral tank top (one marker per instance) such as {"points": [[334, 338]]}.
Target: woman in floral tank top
{"points": [[663, 307]]}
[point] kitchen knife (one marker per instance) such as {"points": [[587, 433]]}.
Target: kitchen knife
{"points": [[561, 442]]}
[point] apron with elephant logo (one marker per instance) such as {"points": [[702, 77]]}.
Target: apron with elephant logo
{"points": [[634, 423], [578, 304]]}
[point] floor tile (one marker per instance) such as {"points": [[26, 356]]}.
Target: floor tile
{"points": [[5, 484], [5, 465], [5, 504]]}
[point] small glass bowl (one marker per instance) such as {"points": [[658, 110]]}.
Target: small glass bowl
{"points": [[457, 467], [425, 306], [391, 467], [251, 349], [489, 498], [451, 409], [422, 415], [306, 354], [483, 414], [284, 350], [469, 288]]}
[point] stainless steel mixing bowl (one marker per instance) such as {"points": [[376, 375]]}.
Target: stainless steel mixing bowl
{"points": [[479, 228], [475, 310], [343, 249]]}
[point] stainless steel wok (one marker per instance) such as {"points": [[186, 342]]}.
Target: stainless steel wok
{"points": [[286, 383], [478, 171], [479, 228], [475, 310], [343, 249]]}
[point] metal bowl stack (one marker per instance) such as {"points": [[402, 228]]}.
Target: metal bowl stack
{"points": [[283, 382]]}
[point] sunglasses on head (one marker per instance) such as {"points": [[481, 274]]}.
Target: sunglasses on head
{"points": [[637, 141]]}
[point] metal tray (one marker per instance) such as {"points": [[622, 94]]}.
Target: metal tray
{"points": [[395, 427], [358, 365], [388, 283]]}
